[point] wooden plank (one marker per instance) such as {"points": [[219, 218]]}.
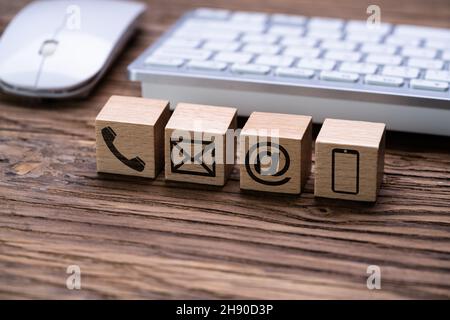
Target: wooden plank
{"points": [[140, 238]]}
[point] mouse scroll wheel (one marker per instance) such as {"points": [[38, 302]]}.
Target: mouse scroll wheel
{"points": [[48, 48]]}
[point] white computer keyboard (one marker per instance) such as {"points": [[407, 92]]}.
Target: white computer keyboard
{"points": [[319, 66]]}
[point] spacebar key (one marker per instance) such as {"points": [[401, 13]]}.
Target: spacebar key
{"points": [[339, 76]]}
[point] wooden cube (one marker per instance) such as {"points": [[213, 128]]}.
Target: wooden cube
{"points": [[200, 144], [130, 136], [349, 160], [275, 152]]}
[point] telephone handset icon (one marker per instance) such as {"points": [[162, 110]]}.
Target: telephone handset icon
{"points": [[135, 163]]}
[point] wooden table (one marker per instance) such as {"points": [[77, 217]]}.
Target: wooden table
{"points": [[137, 238]]}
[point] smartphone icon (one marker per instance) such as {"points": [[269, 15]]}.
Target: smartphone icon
{"points": [[135, 163], [345, 171]]}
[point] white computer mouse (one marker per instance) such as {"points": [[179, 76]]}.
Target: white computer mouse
{"points": [[59, 49]]}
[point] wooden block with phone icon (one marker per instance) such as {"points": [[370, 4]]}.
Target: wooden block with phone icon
{"points": [[349, 160], [275, 152], [130, 136], [200, 144]]}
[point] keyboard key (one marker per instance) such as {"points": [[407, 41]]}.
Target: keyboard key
{"points": [[438, 44], [183, 53], [243, 16], [318, 64], [261, 48], [338, 45], [286, 30], [384, 59], [260, 38], [236, 26], [324, 34], [288, 19], [221, 45], [164, 62], [274, 61], [295, 73], [360, 26], [183, 43], [422, 32], [189, 33], [378, 48], [429, 85], [366, 68], [380, 80], [419, 52], [238, 57], [446, 55], [343, 56], [402, 41], [403, 72], [297, 41], [207, 65], [250, 69], [365, 38], [339, 76], [425, 63], [325, 23], [220, 26], [302, 52], [438, 75]]}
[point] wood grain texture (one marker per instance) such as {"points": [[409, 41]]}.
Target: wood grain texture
{"points": [[275, 143], [349, 160], [138, 238]]}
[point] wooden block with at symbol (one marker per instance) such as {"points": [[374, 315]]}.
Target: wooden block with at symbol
{"points": [[200, 144], [349, 160], [130, 136], [275, 152]]}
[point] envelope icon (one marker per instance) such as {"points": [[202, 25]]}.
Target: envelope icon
{"points": [[193, 157]]}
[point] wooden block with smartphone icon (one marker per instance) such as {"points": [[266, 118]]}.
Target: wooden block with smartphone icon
{"points": [[130, 136], [349, 160]]}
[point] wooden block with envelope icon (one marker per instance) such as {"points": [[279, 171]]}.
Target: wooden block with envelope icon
{"points": [[275, 152], [130, 136], [200, 144], [349, 159]]}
